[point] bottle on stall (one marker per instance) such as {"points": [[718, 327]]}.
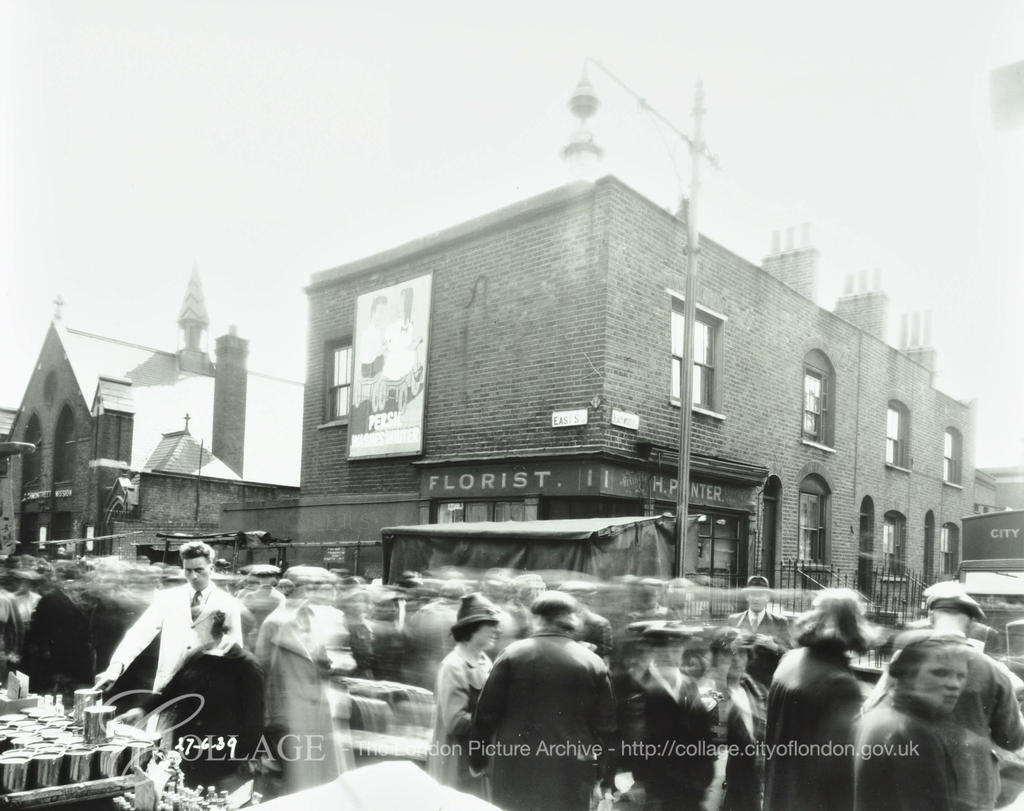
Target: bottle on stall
{"points": [[59, 705]]}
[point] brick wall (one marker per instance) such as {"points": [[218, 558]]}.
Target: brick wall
{"points": [[564, 303], [168, 500]]}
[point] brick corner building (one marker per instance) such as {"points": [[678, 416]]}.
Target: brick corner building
{"points": [[525, 365]]}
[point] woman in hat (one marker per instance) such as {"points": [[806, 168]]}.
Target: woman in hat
{"points": [[459, 680]]}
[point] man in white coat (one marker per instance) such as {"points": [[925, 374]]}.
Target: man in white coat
{"points": [[176, 614]]}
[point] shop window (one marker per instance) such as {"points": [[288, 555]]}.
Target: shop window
{"points": [[706, 356], [339, 381], [812, 540], [951, 456], [894, 541], [64, 447], [949, 548], [897, 433], [457, 512], [819, 385]]}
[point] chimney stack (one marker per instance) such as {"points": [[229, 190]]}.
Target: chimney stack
{"points": [[916, 339], [868, 310], [797, 265], [229, 395]]}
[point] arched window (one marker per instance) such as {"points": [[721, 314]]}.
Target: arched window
{"points": [[31, 463], [812, 538], [819, 388], [929, 544], [951, 456], [949, 548], [894, 541], [897, 434], [64, 447]]}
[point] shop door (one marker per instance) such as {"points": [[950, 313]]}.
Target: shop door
{"points": [[722, 547]]}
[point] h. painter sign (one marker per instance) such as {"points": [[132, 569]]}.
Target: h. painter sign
{"points": [[390, 370]]}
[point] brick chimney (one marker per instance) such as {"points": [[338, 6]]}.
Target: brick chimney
{"points": [[916, 340], [796, 265], [229, 393], [867, 309]]}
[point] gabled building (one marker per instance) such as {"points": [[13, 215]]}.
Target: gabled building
{"points": [[526, 364], [104, 412]]}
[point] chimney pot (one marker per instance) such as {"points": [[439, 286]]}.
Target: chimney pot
{"points": [[904, 330], [862, 282], [915, 329], [789, 239], [848, 285], [877, 279], [776, 243], [927, 329], [805, 235]]}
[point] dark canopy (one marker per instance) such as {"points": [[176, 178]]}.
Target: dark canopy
{"points": [[603, 547]]}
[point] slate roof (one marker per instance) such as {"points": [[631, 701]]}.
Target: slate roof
{"points": [[7, 416], [162, 395], [113, 394], [179, 451]]}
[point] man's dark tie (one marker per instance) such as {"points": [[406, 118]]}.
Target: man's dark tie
{"points": [[196, 597]]}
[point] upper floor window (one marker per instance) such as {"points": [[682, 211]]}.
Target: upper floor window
{"points": [[64, 447], [813, 529], [894, 541], [339, 387], [949, 548], [897, 426], [951, 456], [819, 384], [706, 361]]}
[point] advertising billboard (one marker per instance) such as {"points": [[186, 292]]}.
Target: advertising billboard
{"points": [[390, 370]]}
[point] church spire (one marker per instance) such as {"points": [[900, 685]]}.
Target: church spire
{"points": [[193, 322], [193, 308]]}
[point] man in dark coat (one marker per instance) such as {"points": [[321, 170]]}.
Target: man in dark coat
{"points": [[677, 762], [545, 718], [757, 619]]}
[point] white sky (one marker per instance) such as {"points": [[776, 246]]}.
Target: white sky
{"points": [[267, 141]]}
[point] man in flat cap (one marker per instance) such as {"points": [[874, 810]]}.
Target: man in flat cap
{"points": [[546, 716], [987, 712], [951, 593]]}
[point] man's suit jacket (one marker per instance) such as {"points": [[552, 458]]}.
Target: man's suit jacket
{"points": [[170, 616], [773, 625]]}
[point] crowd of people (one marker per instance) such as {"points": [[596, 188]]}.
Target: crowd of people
{"points": [[549, 693]]}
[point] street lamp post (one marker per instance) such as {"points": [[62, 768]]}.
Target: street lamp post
{"points": [[696, 145], [584, 104]]}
